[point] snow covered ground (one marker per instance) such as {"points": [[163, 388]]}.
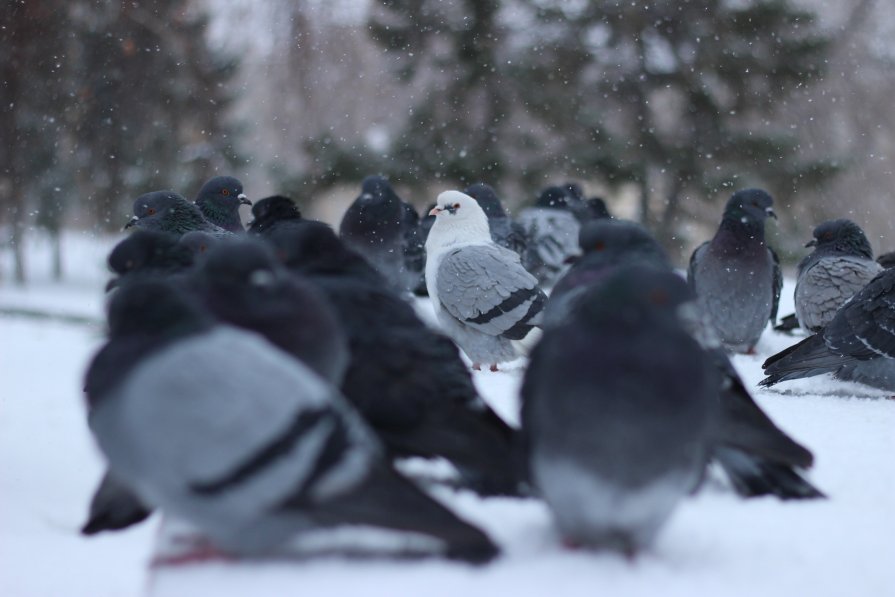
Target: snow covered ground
{"points": [[716, 544]]}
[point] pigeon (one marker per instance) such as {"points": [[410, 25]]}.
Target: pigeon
{"points": [[272, 212], [886, 260], [551, 227], [407, 380], [857, 345], [618, 407], [166, 211], [482, 296], [576, 202], [840, 265], [504, 231], [243, 284], [220, 199], [414, 250], [374, 227], [736, 275], [147, 253], [198, 242], [757, 456], [596, 207], [605, 245], [250, 455]]}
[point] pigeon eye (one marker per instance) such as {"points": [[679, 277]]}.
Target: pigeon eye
{"points": [[658, 297], [599, 245], [456, 206], [150, 211], [225, 192]]}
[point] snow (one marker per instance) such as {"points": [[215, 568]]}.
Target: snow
{"points": [[715, 544]]}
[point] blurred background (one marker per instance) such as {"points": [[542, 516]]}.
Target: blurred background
{"points": [[664, 107]]}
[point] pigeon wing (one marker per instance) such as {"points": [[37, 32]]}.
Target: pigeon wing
{"points": [[486, 287], [864, 327], [777, 286]]}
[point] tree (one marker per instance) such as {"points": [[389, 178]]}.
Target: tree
{"points": [[676, 97]]}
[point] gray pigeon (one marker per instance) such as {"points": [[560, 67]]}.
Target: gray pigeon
{"points": [[551, 228], [166, 211], [249, 454], [757, 456], [840, 265], [374, 226], [220, 199], [857, 345], [482, 295], [736, 276], [504, 231], [618, 409]]}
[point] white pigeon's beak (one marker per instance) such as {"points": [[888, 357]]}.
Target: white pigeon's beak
{"points": [[435, 211]]}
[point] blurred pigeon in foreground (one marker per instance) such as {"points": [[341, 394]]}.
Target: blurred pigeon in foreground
{"points": [[198, 243], [220, 199], [758, 457], [857, 345], [736, 275], [414, 250], [840, 265], [618, 405], [482, 295], [551, 228], [408, 381], [272, 212], [374, 227], [243, 284], [166, 211], [504, 231], [886, 260], [250, 455]]}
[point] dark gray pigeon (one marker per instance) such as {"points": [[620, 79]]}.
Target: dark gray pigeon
{"points": [[147, 253], [250, 455], [374, 227], [220, 199], [166, 211], [605, 245], [596, 207], [504, 231], [408, 381], [758, 457], [271, 212], [887, 260], [618, 408], [736, 275], [840, 265], [414, 250], [483, 297], [198, 242], [243, 284], [551, 228], [857, 345]]}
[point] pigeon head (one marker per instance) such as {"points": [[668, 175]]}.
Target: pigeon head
{"points": [[166, 211], [377, 187], [554, 198], [487, 198], [270, 210], [239, 264], [620, 241], [597, 209], [635, 293], [574, 191], [460, 218], [223, 191], [220, 199], [842, 237], [197, 242], [749, 206], [148, 251], [155, 308]]}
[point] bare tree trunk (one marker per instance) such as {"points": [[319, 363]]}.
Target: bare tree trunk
{"points": [[56, 236]]}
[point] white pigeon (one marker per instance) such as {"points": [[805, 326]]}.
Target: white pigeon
{"points": [[483, 297]]}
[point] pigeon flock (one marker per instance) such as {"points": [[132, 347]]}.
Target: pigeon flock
{"points": [[265, 381]]}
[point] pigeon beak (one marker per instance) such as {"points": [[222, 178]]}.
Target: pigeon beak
{"points": [[132, 222], [811, 243], [435, 211], [112, 284], [243, 200], [771, 213]]}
